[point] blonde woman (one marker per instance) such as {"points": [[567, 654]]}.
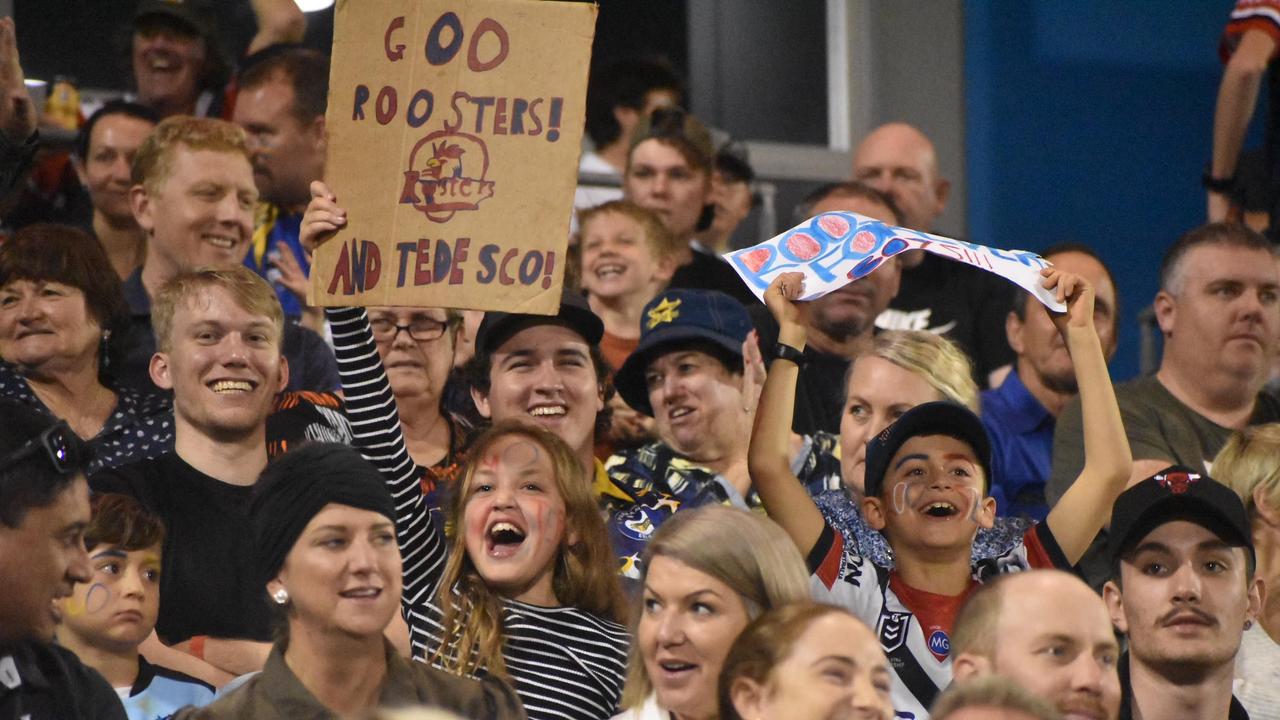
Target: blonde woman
{"points": [[1250, 464], [708, 573]]}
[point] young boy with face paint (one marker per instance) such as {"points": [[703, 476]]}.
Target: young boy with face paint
{"points": [[928, 491], [107, 618]]}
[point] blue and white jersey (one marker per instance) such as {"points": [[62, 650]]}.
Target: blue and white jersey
{"points": [[158, 692]]}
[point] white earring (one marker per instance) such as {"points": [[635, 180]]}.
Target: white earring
{"points": [[281, 596]]}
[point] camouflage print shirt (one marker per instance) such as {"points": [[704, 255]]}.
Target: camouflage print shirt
{"points": [[649, 483]]}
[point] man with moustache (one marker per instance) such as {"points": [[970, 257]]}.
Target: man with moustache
{"points": [[1219, 313], [841, 323], [1047, 631], [1184, 592]]}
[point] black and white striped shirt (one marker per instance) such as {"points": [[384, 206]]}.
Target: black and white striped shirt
{"points": [[565, 663]]}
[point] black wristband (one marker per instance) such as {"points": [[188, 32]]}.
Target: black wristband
{"points": [[783, 351], [1222, 186]]}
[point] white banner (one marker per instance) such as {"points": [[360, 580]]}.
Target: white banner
{"points": [[835, 248]]}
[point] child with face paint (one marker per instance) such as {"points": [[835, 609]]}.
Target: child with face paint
{"points": [[528, 588], [106, 619], [928, 492]]}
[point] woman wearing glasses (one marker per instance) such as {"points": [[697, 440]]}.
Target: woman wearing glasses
{"points": [[61, 312], [416, 346]]}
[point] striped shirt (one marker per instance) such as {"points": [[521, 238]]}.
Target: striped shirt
{"points": [[565, 663]]}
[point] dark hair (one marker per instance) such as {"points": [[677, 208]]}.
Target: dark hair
{"points": [[847, 188], [32, 482], [1220, 233], [112, 107], [678, 128], [476, 373], [625, 83], [60, 253], [304, 69], [123, 522], [1019, 297]]}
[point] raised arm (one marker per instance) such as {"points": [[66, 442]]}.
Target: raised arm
{"points": [[279, 22], [375, 421], [1237, 96], [769, 456], [1085, 507]]}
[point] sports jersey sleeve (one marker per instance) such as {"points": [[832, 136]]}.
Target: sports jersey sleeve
{"points": [[1038, 551], [1262, 15], [839, 575], [375, 426]]}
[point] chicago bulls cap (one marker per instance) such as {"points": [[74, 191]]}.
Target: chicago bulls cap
{"points": [[1178, 493]]}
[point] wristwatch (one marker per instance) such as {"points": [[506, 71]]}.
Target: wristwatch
{"points": [[783, 351], [1221, 186]]}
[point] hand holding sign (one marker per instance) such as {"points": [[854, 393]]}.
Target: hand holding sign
{"points": [[835, 248], [1076, 293]]}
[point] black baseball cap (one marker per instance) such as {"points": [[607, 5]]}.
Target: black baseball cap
{"points": [[195, 14], [932, 418], [1178, 493], [574, 313], [675, 318]]}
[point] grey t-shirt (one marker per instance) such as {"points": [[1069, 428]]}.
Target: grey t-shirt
{"points": [[1159, 427]]}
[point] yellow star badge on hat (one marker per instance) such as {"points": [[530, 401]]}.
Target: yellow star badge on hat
{"points": [[665, 312]]}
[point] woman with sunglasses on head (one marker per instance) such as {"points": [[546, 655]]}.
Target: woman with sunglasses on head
{"points": [[330, 565], [62, 312]]}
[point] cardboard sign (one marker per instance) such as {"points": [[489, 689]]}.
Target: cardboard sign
{"points": [[835, 248], [454, 133]]}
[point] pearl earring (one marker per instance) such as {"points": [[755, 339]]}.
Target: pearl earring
{"points": [[281, 596]]}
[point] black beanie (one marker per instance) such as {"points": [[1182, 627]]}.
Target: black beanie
{"points": [[296, 486]]}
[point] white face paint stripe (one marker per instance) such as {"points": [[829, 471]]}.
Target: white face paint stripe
{"points": [[905, 490]]}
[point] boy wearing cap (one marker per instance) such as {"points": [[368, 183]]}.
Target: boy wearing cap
{"points": [[1184, 592], [697, 372], [928, 491]]}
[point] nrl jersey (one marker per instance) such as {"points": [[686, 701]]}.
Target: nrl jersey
{"points": [[913, 626]]}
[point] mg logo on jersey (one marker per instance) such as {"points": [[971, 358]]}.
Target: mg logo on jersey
{"points": [[939, 645], [892, 629]]}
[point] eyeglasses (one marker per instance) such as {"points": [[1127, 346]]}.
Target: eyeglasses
{"points": [[420, 329], [57, 442]]}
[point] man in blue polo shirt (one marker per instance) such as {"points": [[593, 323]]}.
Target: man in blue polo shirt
{"points": [[1021, 413]]}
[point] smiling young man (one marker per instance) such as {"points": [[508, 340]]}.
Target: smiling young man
{"points": [[545, 371], [219, 334], [44, 509], [1184, 592], [193, 196]]}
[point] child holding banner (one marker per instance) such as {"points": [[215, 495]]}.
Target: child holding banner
{"points": [[928, 492], [528, 591]]}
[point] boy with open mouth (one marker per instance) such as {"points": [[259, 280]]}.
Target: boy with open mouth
{"points": [[928, 485]]}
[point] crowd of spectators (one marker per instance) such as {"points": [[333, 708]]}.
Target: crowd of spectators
{"points": [[916, 496]]}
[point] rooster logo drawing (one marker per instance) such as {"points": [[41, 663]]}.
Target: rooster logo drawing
{"points": [[447, 174]]}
